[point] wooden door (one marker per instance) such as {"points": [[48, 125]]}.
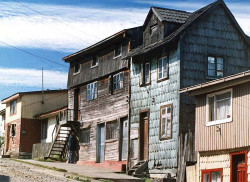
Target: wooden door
{"points": [[143, 136], [124, 138], [100, 142], [241, 173]]}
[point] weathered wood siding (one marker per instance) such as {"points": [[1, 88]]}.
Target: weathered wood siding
{"points": [[105, 108], [107, 65], [230, 135], [162, 153], [40, 150], [213, 35]]}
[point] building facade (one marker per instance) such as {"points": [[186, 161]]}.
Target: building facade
{"points": [[98, 96], [22, 129], [222, 128], [179, 49]]}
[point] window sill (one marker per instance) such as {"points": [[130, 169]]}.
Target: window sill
{"points": [[13, 114], [212, 78], [163, 79], [76, 73], [117, 56], [111, 140], [94, 66], [145, 84], [165, 138], [216, 122]]}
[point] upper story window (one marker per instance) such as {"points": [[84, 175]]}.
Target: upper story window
{"points": [[211, 175], [153, 30], [116, 82], [84, 136], [166, 122], [92, 91], [118, 50], [162, 68], [215, 67], [95, 61], [111, 130], [77, 68], [219, 107], [13, 107], [145, 73]]}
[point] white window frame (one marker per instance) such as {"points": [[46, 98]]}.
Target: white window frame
{"points": [[116, 56], [158, 65], [166, 116], [215, 122], [93, 94], [120, 81], [75, 73], [97, 61]]}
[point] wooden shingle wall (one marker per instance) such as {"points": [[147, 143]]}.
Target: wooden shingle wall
{"points": [[213, 35], [162, 153]]}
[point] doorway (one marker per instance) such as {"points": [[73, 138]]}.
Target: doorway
{"points": [[238, 166], [143, 135], [123, 138], [100, 142]]}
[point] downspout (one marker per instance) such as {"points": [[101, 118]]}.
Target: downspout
{"points": [[129, 116]]}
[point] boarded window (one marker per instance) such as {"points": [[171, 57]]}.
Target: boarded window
{"points": [[145, 73], [215, 66], [44, 130], [13, 107], [211, 175], [95, 61], [85, 135], [166, 122], [118, 50], [162, 68], [92, 91], [118, 81], [219, 106], [76, 68], [111, 130]]}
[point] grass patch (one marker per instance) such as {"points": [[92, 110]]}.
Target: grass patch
{"points": [[40, 165], [147, 179]]}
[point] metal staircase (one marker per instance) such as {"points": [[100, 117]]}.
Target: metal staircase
{"points": [[137, 170]]}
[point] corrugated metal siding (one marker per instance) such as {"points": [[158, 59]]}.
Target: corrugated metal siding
{"points": [[163, 152], [234, 134]]}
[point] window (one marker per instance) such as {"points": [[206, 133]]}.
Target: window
{"points": [[118, 51], [162, 68], [153, 30], [13, 107], [211, 175], [12, 130], [145, 73], [77, 68], [92, 91], [95, 61], [118, 81], [85, 135], [111, 130], [44, 130], [215, 66], [219, 107], [166, 122]]}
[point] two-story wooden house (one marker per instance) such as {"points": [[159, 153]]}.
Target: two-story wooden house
{"points": [[179, 49], [222, 128], [98, 84]]}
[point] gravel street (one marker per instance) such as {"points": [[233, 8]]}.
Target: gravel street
{"points": [[14, 171]]}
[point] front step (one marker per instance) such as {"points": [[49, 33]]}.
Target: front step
{"points": [[137, 170]]}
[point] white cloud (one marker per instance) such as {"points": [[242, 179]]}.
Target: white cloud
{"points": [[67, 28], [32, 78]]}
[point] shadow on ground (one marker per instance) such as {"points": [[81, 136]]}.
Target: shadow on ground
{"points": [[4, 178]]}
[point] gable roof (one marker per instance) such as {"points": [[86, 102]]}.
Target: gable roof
{"points": [[195, 16]]}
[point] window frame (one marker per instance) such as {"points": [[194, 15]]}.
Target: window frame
{"points": [[113, 81], [215, 67], [75, 73], [81, 141], [117, 130], [11, 129], [167, 69], [209, 171], [13, 108], [44, 133], [215, 122], [160, 126], [142, 77], [96, 58], [91, 94], [115, 50]]}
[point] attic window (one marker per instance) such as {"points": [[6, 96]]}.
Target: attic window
{"points": [[95, 61], [215, 67], [118, 50], [153, 29], [77, 68]]}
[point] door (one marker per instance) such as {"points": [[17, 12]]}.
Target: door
{"points": [[124, 139], [76, 104], [101, 142], [241, 172], [238, 166], [143, 136]]}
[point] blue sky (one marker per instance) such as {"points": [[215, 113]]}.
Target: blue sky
{"points": [[51, 29]]}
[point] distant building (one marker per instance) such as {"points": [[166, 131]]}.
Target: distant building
{"points": [[22, 128], [222, 128]]}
